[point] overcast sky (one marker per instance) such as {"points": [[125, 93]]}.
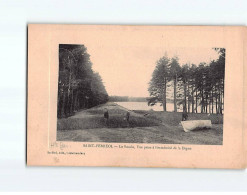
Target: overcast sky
{"points": [[126, 62]]}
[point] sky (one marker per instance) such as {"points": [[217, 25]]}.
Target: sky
{"points": [[126, 62]]}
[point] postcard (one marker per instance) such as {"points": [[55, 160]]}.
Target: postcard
{"points": [[137, 96]]}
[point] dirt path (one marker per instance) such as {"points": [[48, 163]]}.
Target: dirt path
{"points": [[113, 108]]}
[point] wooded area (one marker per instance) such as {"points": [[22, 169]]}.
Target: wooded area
{"points": [[194, 86], [79, 86]]}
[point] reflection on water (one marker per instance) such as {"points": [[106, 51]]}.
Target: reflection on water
{"points": [[144, 106]]}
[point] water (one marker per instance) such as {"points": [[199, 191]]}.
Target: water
{"points": [[157, 107], [144, 106]]}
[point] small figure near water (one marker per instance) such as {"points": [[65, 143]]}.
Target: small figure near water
{"points": [[106, 116], [127, 117]]}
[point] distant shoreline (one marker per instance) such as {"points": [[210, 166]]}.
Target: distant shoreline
{"points": [[137, 99]]}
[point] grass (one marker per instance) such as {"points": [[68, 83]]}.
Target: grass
{"points": [[93, 118], [98, 122], [155, 135], [174, 118], [144, 127]]}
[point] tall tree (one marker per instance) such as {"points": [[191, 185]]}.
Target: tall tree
{"points": [[192, 85], [184, 77], [158, 83], [174, 70], [200, 86]]}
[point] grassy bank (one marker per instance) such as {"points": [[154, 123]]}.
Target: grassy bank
{"points": [[174, 118], [116, 121], [144, 127], [93, 118]]}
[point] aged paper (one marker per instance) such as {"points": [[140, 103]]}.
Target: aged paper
{"points": [[136, 96]]}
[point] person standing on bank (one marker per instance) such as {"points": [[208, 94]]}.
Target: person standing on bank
{"points": [[106, 116], [127, 117], [184, 116]]}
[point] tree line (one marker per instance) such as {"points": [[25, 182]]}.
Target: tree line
{"points": [[79, 86], [126, 99], [198, 88]]}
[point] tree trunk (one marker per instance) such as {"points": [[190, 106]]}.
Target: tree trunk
{"points": [[219, 101], [202, 102], [164, 96], [59, 104], [188, 101], [219, 105], [76, 101], [72, 101], [212, 100], [196, 100], [223, 83], [185, 95], [216, 102], [63, 105], [175, 94], [209, 106], [192, 96], [68, 104]]}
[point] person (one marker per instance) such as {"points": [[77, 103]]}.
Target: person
{"points": [[106, 116], [127, 116], [184, 116]]}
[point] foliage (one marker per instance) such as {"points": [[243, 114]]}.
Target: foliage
{"points": [[78, 85], [157, 85], [194, 86]]}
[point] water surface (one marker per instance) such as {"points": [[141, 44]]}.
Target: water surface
{"points": [[144, 106]]}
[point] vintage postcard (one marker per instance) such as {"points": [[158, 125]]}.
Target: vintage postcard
{"points": [[137, 96]]}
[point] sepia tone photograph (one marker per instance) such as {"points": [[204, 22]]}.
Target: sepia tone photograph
{"points": [[101, 76], [172, 95], [119, 94]]}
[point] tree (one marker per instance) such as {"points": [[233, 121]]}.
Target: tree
{"points": [[79, 86], [157, 85], [193, 86], [184, 77], [220, 69], [174, 70]]}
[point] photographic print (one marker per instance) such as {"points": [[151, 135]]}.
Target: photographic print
{"points": [[136, 96], [130, 94]]}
